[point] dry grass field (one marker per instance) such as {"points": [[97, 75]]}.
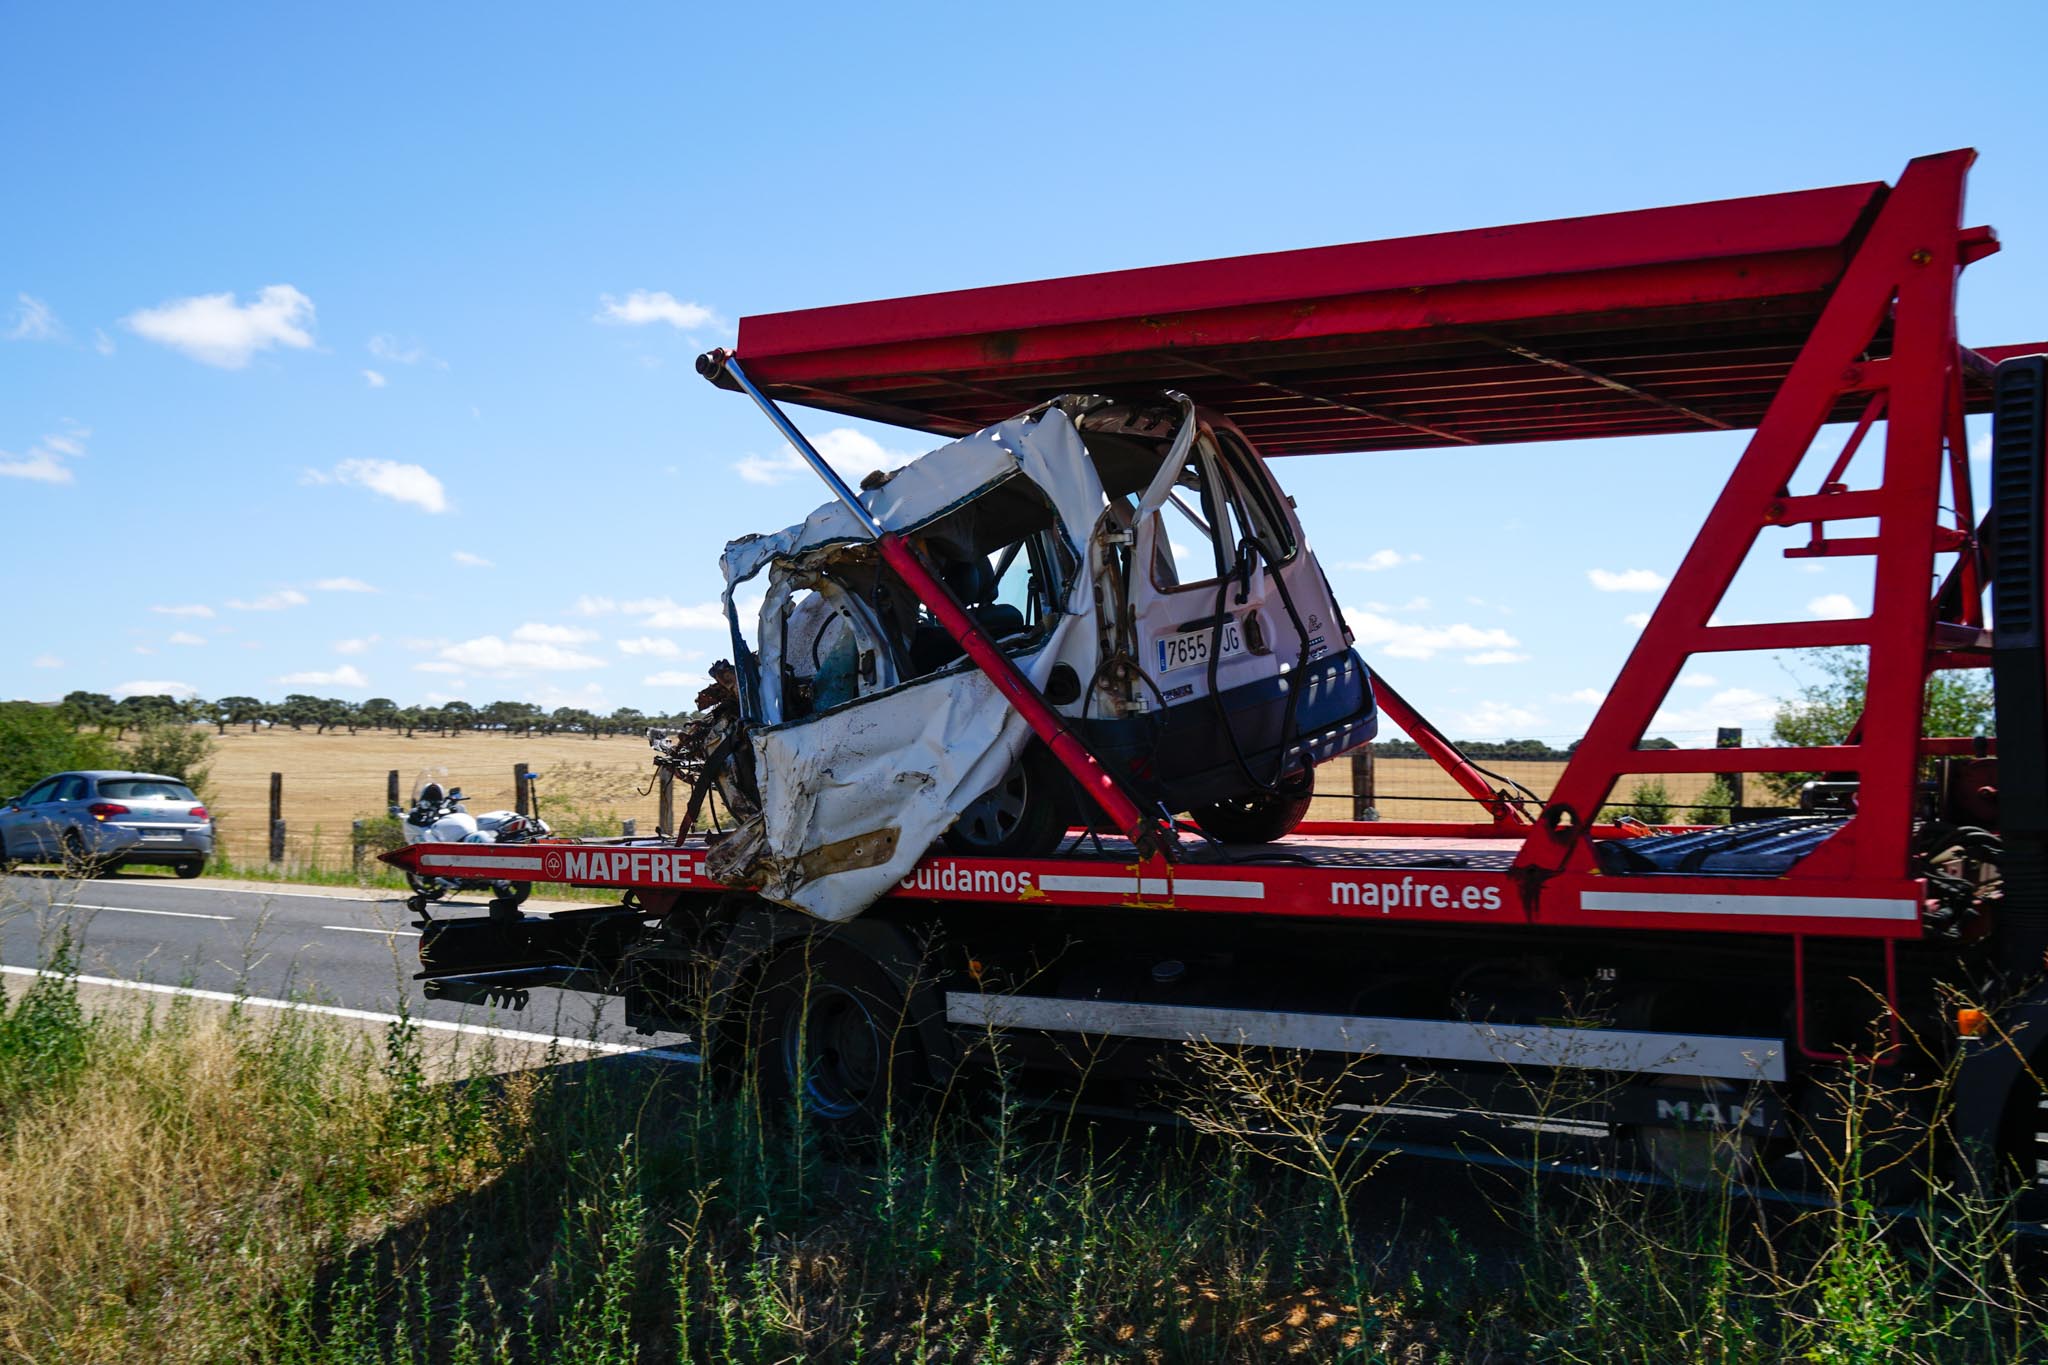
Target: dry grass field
{"points": [[333, 779]]}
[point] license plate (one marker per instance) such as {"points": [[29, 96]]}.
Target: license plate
{"points": [[1190, 648], [162, 838]]}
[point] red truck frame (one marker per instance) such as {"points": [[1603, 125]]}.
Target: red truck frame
{"points": [[1782, 314]]}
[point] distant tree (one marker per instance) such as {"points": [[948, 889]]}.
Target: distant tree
{"points": [[379, 713], [625, 721], [36, 741], [406, 718], [81, 709], [1957, 703], [239, 711], [458, 715], [173, 749]]}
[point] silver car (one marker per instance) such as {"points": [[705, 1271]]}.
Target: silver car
{"points": [[97, 821]]}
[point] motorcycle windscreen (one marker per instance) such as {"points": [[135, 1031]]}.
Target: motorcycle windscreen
{"points": [[853, 797]]}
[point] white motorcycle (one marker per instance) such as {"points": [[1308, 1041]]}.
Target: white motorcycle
{"points": [[437, 817]]}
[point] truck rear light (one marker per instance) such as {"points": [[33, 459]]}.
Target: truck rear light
{"points": [[197, 813], [103, 810]]}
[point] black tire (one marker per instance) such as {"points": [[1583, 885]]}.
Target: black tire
{"points": [[833, 1040], [1023, 816], [188, 869], [7, 864], [77, 862], [1260, 818], [513, 894], [426, 888]]}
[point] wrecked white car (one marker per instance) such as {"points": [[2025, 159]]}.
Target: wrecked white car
{"points": [[1138, 565]]}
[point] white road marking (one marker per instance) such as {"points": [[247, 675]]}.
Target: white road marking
{"points": [[135, 910], [368, 1016], [359, 929]]}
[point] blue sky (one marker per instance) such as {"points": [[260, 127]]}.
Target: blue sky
{"points": [[302, 302]]}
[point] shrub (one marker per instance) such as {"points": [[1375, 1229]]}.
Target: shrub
{"points": [[173, 749], [1649, 801], [1714, 804], [36, 741]]}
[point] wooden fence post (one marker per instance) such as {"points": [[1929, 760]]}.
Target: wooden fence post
{"points": [[277, 817], [1362, 807], [519, 771], [1730, 737], [391, 789], [355, 847], [665, 812]]}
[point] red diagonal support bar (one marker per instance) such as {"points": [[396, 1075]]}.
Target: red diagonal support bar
{"points": [[1905, 272]]}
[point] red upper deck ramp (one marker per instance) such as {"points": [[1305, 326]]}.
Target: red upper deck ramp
{"points": [[1622, 324]]}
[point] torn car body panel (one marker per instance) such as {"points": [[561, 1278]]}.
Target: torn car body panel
{"points": [[1043, 547]]}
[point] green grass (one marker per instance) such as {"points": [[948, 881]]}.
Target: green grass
{"points": [[196, 1184]]}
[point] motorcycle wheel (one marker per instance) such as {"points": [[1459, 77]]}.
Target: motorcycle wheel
{"points": [[426, 888]]}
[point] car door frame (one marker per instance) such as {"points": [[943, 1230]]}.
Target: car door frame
{"points": [[26, 824]]}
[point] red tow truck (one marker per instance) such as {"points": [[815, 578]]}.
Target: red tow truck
{"points": [[1715, 981]]}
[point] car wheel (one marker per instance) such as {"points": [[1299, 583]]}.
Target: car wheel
{"points": [[189, 869], [1022, 816], [1260, 818], [6, 863], [835, 1044], [78, 862]]}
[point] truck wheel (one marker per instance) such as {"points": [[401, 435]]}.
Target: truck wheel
{"points": [[1022, 816], [834, 1042], [1260, 818]]}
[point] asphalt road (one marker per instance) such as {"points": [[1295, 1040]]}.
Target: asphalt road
{"points": [[338, 950]]}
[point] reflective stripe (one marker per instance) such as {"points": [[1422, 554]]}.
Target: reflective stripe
{"points": [[1152, 886], [1776, 907], [1673, 1054]]}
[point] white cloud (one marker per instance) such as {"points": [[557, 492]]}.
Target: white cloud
{"points": [[536, 633], [1492, 719], [675, 677], [45, 461], [408, 483], [144, 649], [1591, 696], [185, 637], [643, 306], [342, 585], [348, 675], [470, 561], [1496, 656], [1980, 449], [1698, 680], [854, 454], [490, 654], [653, 645], [661, 613], [191, 609], [1638, 619], [271, 601], [389, 348], [1382, 635], [1627, 580], [154, 687], [360, 645], [1378, 560], [432, 666], [374, 380], [215, 330], [587, 605], [46, 661], [1412, 604], [101, 342], [1834, 606], [33, 321], [1694, 726]]}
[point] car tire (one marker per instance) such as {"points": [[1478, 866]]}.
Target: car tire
{"points": [[7, 864], [1259, 818], [1023, 816], [77, 862], [188, 869], [834, 1043]]}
